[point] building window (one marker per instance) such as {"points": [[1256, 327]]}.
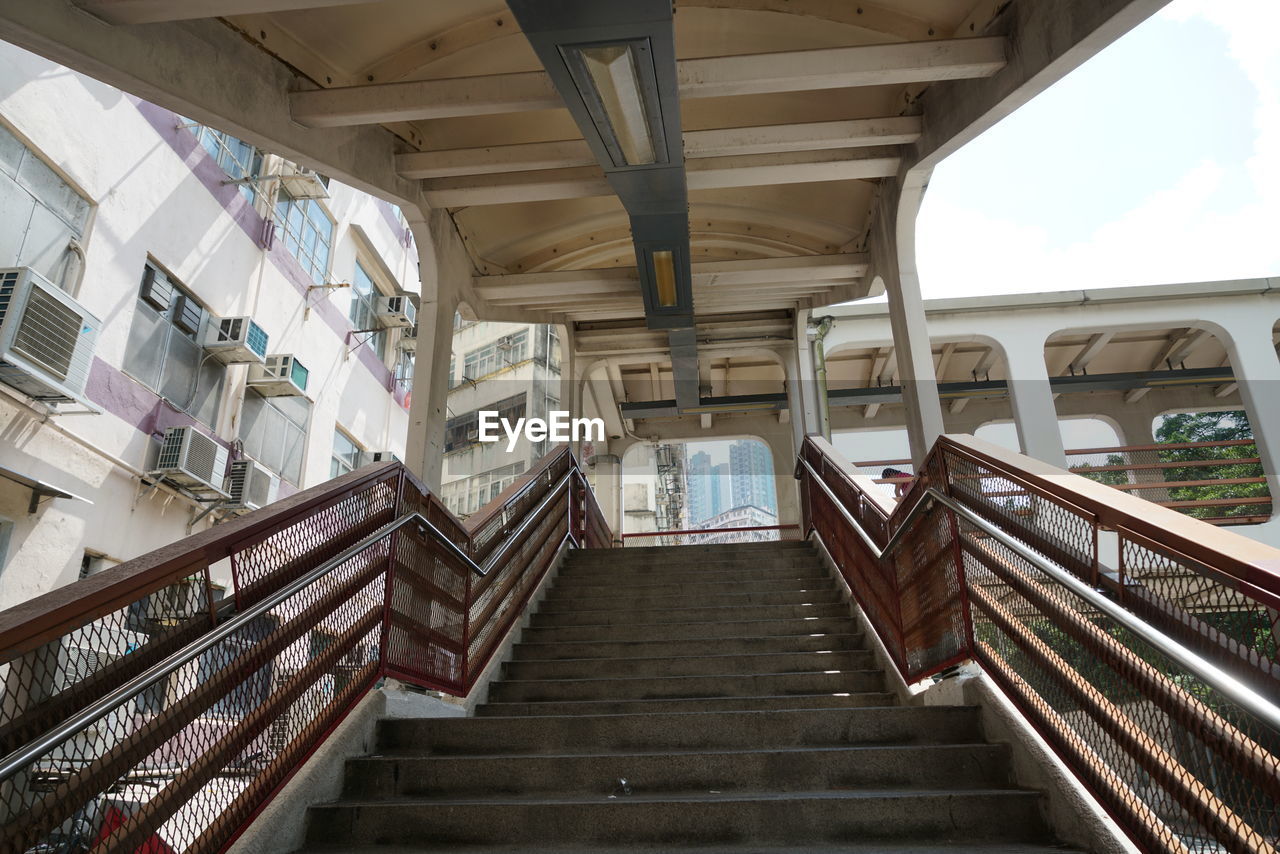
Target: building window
{"points": [[506, 351], [464, 497], [237, 158], [364, 298], [308, 234], [463, 431], [346, 455], [42, 214], [274, 432], [164, 351], [404, 371], [453, 370]]}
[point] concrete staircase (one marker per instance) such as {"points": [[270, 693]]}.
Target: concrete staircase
{"points": [[729, 687]]}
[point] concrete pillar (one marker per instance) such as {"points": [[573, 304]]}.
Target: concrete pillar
{"points": [[893, 260], [1253, 358], [783, 450], [446, 271], [607, 481], [801, 385], [1034, 413]]}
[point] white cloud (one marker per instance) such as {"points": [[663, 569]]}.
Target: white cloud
{"points": [[1175, 234]]}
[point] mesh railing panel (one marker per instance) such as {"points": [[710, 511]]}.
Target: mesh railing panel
{"points": [[184, 763], [1180, 766]]}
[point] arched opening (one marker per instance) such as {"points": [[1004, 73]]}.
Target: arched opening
{"points": [[712, 491]]}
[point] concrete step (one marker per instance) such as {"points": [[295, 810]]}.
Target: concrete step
{"points": [[689, 631], [567, 579], [689, 665], [801, 818], [809, 642], [626, 600], [700, 549], [624, 566], [745, 848], [650, 688], [696, 730], [734, 584], [839, 700], [658, 616], [961, 766]]}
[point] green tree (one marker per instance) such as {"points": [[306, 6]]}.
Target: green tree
{"points": [[1212, 427]]}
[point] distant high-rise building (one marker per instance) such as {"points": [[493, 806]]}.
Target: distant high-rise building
{"points": [[720, 493], [752, 468], [700, 488]]}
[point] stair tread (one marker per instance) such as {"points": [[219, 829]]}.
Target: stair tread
{"points": [[687, 751], [721, 656], [827, 672], [859, 794], [878, 848]]}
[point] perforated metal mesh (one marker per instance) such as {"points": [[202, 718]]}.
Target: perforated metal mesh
{"points": [[185, 761]]}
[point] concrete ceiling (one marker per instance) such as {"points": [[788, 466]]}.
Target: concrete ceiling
{"points": [[793, 110]]}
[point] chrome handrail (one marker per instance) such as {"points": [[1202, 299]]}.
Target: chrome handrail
{"points": [[28, 753], [1212, 675]]}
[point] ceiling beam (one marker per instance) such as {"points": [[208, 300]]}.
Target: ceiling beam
{"points": [[1179, 346], [751, 74], [981, 369], [799, 268], [157, 11], [752, 170], [1090, 351], [564, 154]]}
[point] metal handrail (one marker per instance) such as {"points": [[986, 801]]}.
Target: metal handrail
{"points": [[918, 508], [1206, 671], [501, 553], [1212, 675], [23, 756]]}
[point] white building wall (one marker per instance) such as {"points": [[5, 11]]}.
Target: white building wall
{"points": [[157, 194]]}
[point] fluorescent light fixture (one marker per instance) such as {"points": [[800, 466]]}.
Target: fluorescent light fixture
{"points": [[664, 277], [613, 70], [618, 83]]}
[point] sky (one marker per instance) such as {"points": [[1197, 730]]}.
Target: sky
{"points": [[1156, 161]]}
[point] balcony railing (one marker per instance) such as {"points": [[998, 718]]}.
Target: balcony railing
{"points": [[1140, 643], [142, 713], [1221, 483]]}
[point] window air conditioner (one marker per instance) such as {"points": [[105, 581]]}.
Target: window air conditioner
{"points": [[396, 312], [235, 340], [367, 457], [250, 486], [47, 339], [192, 459], [409, 340], [280, 375]]}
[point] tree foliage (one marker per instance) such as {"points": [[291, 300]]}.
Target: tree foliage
{"points": [[1212, 427]]}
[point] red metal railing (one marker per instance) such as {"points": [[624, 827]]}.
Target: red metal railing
{"points": [[141, 712], [1221, 483], [1141, 644]]}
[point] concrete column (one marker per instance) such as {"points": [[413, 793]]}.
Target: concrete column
{"points": [[1253, 357], [783, 451], [1034, 413], [607, 480], [893, 260], [446, 271], [801, 385]]}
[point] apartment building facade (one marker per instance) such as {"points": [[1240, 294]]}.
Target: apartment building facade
{"points": [[168, 235]]}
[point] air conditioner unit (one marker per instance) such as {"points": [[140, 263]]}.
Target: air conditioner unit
{"points": [[47, 339], [395, 312], [192, 459], [302, 183], [250, 486], [409, 340], [235, 340], [280, 375], [367, 457]]}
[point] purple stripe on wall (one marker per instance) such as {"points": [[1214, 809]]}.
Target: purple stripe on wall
{"points": [[134, 403], [210, 174]]}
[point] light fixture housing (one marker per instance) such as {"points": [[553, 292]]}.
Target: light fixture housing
{"points": [[665, 283], [618, 84]]}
